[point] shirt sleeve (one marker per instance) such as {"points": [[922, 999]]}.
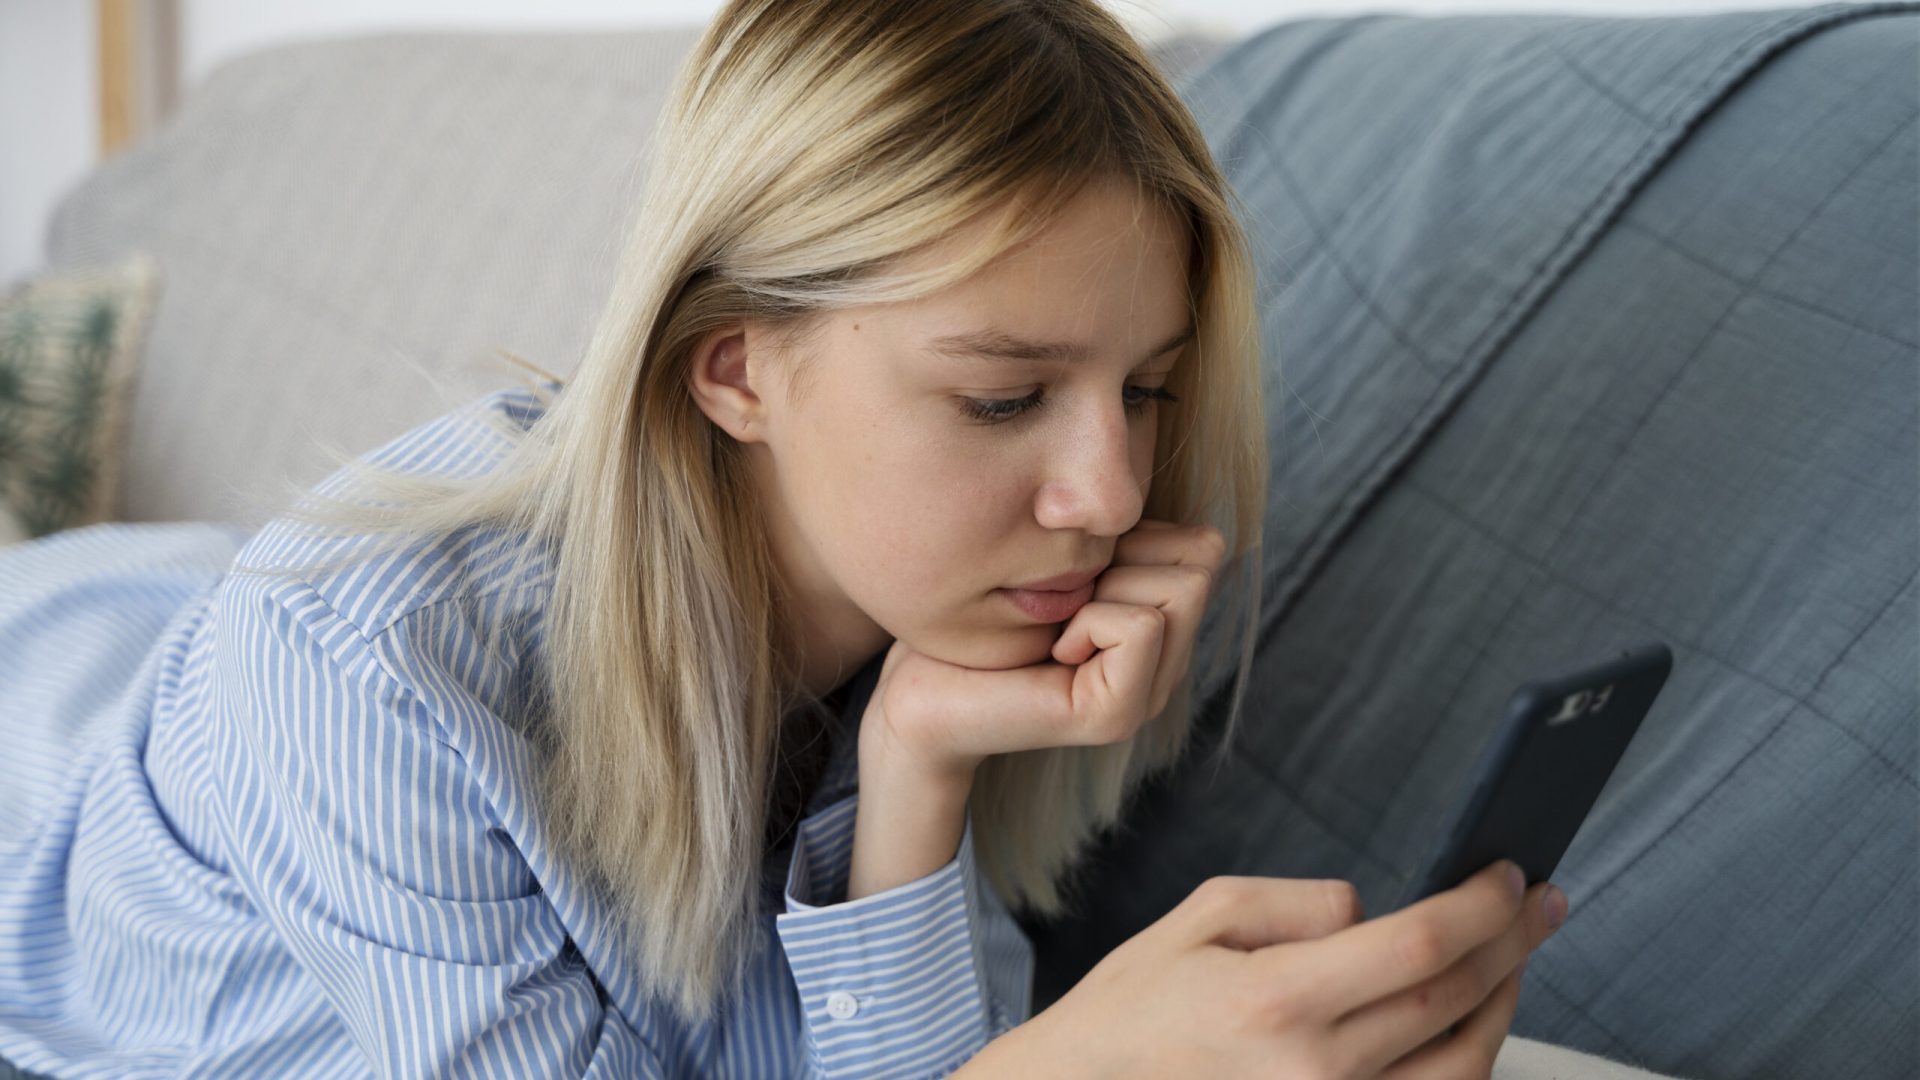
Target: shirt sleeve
{"points": [[912, 981], [364, 840]]}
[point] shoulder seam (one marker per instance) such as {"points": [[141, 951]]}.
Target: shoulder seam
{"points": [[361, 637], [396, 618]]}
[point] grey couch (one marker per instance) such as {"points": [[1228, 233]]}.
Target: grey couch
{"points": [[1588, 331], [1584, 331]]}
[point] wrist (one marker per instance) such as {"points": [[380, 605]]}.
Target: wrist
{"points": [[884, 756], [1021, 1051], [906, 826]]}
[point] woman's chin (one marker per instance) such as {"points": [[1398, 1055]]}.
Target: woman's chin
{"points": [[997, 650]]}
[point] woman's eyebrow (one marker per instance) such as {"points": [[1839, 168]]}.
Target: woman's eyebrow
{"points": [[1002, 346]]}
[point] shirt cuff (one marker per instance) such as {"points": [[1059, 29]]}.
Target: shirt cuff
{"points": [[889, 983]]}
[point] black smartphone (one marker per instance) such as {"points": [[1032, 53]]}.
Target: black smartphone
{"points": [[1544, 769]]}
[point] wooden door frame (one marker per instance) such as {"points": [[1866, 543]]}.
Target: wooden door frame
{"points": [[138, 64]]}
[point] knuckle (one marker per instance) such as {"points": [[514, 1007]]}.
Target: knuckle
{"points": [[1229, 890], [1148, 619], [1214, 902], [1216, 894], [1280, 1008], [1213, 542], [1199, 580], [1419, 947], [1343, 900]]}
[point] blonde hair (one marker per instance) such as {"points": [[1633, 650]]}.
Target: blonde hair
{"points": [[806, 150]]}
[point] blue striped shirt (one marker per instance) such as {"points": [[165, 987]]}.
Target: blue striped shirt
{"points": [[285, 827]]}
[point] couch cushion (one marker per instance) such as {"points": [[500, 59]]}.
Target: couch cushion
{"points": [[70, 347], [1586, 331]]}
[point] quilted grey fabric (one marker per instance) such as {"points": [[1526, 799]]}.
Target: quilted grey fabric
{"points": [[349, 229], [1587, 331]]}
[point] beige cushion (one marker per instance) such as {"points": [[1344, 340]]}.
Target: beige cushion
{"points": [[69, 349], [1529, 1059]]}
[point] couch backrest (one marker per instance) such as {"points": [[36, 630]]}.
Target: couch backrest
{"points": [[349, 230], [1585, 332]]}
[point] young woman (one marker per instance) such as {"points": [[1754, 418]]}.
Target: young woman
{"points": [[928, 397]]}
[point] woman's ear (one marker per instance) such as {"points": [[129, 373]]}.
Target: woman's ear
{"points": [[718, 378]]}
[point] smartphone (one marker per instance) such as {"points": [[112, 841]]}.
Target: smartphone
{"points": [[1544, 769]]}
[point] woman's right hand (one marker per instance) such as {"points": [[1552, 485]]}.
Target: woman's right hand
{"points": [[1114, 667], [1280, 977]]}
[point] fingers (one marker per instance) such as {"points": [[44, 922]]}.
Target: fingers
{"points": [[1164, 543], [950, 717], [1385, 1030], [1404, 948], [1115, 649], [944, 718], [1115, 667], [1487, 1025], [1474, 1044], [1181, 592], [1174, 568], [1248, 913]]}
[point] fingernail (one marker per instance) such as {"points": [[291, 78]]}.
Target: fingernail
{"points": [[1556, 907], [1516, 879]]}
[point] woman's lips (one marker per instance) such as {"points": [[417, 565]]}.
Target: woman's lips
{"points": [[1047, 606]]}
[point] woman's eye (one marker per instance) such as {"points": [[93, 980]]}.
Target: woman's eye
{"points": [[996, 410]]}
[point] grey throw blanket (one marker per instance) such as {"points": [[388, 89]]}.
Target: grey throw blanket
{"points": [[1585, 331]]}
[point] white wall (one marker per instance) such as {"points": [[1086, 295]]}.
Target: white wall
{"points": [[48, 127], [216, 29], [48, 111]]}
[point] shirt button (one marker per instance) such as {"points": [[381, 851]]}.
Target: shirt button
{"points": [[841, 1005]]}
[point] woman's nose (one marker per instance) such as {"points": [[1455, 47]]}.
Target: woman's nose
{"points": [[1093, 485]]}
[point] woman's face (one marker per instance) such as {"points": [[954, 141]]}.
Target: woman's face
{"points": [[894, 513]]}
